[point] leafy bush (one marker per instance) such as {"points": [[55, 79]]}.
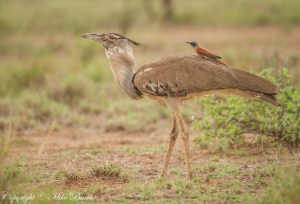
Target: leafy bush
{"points": [[226, 118]]}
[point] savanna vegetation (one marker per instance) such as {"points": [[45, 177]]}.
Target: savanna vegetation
{"points": [[68, 133]]}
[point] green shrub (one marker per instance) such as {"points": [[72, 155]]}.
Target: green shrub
{"points": [[231, 116]]}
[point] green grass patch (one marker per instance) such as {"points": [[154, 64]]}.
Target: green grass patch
{"points": [[10, 173], [14, 79], [214, 181], [33, 110], [88, 16], [142, 149], [284, 189], [107, 170]]}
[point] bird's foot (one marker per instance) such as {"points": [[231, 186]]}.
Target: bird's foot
{"points": [[163, 174]]}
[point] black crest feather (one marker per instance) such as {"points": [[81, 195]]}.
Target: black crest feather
{"points": [[132, 41]]}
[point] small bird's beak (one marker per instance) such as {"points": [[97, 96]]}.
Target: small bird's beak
{"points": [[188, 42], [96, 37]]}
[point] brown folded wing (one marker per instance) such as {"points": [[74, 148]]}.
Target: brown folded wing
{"points": [[180, 75]]}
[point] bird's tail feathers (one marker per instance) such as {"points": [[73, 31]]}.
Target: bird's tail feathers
{"points": [[270, 98]]}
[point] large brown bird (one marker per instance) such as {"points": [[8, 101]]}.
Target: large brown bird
{"points": [[175, 78]]}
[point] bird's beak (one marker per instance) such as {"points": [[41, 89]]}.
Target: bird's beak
{"points": [[188, 42], [96, 37]]}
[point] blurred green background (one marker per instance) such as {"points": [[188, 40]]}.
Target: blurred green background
{"points": [[50, 77]]}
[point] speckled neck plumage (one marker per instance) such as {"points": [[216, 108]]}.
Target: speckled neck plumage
{"points": [[121, 60]]}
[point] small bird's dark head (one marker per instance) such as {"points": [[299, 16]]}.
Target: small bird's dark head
{"points": [[110, 39], [192, 43]]}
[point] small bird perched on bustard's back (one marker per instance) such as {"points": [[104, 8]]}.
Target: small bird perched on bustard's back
{"points": [[201, 51], [176, 78]]}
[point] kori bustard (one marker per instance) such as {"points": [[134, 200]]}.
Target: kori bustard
{"points": [[176, 78]]}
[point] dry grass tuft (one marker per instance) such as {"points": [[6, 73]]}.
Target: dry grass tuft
{"points": [[107, 170], [73, 177]]}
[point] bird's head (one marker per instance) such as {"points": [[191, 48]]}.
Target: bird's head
{"points": [[119, 52], [111, 40], [192, 43]]}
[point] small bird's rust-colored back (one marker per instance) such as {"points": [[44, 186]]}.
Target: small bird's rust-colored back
{"points": [[206, 54], [202, 51]]}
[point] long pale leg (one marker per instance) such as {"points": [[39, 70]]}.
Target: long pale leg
{"points": [[178, 125], [185, 138], [173, 137]]}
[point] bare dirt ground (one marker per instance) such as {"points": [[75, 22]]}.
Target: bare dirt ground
{"points": [[74, 152]]}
